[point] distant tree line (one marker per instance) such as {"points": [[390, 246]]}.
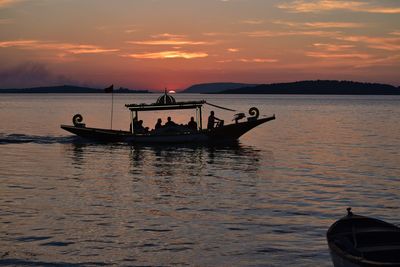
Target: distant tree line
{"points": [[319, 87]]}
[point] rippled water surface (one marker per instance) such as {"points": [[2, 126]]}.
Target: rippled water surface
{"points": [[266, 201]]}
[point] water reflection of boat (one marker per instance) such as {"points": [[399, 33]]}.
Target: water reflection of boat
{"points": [[184, 161], [356, 240], [176, 134]]}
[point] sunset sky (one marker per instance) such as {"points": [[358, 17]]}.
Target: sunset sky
{"points": [[152, 44]]}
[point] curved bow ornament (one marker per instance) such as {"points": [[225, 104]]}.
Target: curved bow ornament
{"points": [[77, 120], [254, 113]]}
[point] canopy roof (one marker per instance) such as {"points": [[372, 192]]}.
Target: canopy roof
{"points": [[157, 106], [166, 102]]}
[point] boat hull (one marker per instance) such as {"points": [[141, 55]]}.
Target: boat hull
{"points": [[227, 133], [357, 240]]}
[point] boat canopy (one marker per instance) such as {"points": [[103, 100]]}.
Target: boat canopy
{"points": [[166, 102]]}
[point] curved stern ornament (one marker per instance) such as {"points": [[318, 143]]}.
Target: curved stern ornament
{"points": [[77, 120], [254, 113]]}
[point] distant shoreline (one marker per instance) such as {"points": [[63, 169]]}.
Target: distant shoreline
{"points": [[68, 89], [316, 87]]}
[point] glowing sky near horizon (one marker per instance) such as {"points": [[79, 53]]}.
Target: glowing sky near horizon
{"points": [[152, 44]]}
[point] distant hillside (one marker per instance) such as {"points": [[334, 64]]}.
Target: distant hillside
{"points": [[66, 89], [319, 87], [214, 87]]}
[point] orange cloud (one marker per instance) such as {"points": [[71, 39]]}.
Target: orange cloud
{"points": [[316, 6], [384, 10], [258, 60], [262, 34], [323, 25], [217, 34], [385, 61], [252, 21], [301, 6], [129, 31], [168, 35], [169, 39], [168, 42], [87, 49], [66, 47], [249, 60], [336, 51], [333, 47], [18, 43], [383, 43], [168, 55], [328, 55], [233, 50], [5, 3], [289, 33], [333, 25]]}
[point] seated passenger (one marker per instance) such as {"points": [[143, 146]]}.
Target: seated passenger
{"points": [[158, 124], [192, 125], [170, 123], [140, 128]]}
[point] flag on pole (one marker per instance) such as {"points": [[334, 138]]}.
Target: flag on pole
{"points": [[109, 89]]}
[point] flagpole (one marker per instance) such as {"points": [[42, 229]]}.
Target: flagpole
{"points": [[112, 106], [110, 89]]}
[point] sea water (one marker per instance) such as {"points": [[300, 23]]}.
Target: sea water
{"points": [[267, 201]]}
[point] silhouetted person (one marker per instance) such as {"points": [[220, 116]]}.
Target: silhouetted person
{"points": [[158, 124], [212, 120], [134, 125], [169, 122], [192, 124], [140, 128]]}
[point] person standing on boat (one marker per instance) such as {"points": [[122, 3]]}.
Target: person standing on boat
{"points": [[158, 124], [192, 125], [212, 120]]}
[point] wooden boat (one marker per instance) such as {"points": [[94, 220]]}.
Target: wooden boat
{"points": [[177, 134], [356, 240]]}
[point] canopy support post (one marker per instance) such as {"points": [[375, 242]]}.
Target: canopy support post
{"points": [[201, 120], [131, 124]]}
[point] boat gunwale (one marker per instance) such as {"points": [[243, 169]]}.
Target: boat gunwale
{"points": [[154, 134]]}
